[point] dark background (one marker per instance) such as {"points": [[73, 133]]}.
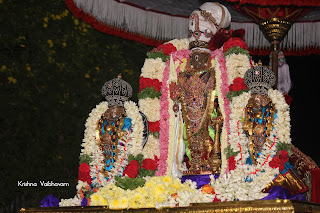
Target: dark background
{"points": [[52, 68]]}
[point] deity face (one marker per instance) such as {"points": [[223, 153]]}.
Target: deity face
{"points": [[257, 101], [199, 59], [115, 111]]}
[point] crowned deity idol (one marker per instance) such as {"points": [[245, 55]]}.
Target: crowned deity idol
{"points": [[264, 117], [194, 92], [114, 124], [114, 130]]}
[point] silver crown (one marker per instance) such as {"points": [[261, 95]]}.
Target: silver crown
{"points": [[116, 91], [259, 79]]}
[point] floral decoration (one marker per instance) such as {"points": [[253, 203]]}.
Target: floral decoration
{"points": [[154, 126], [279, 161], [132, 169], [163, 51], [236, 88], [237, 64], [84, 173], [151, 108], [234, 42], [153, 68], [150, 164], [222, 89], [157, 192], [166, 48], [152, 74], [149, 83]]}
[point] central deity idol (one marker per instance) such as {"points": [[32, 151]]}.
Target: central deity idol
{"points": [[195, 91]]}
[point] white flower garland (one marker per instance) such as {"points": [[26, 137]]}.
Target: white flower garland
{"points": [[237, 65], [153, 68], [180, 44], [132, 142], [136, 137], [76, 201], [224, 135], [236, 185], [151, 108], [151, 148]]}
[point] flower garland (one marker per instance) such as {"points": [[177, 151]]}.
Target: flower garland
{"points": [[132, 142], [245, 182], [136, 136], [222, 89], [179, 60], [153, 68], [152, 74], [167, 117], [151, 108], [237, 65]]}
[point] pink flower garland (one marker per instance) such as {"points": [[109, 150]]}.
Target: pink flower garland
{"points": [[224, 90], [164, 112], [164, 123]]}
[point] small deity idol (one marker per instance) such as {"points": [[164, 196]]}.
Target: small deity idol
{"points": [[194, 90], [260, 112], [259, 126], [114, 125]]}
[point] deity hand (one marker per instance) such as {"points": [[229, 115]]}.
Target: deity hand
{"points": [[215, 163], [217, 121], [174, 91]]}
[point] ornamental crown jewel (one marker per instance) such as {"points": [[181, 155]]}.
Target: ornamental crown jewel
{"points": [[259, 79], [116, 91]]}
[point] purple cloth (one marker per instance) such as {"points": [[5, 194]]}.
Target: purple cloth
{"points": [[84, 202], [50, 201], [277, 192], [201, 180]]}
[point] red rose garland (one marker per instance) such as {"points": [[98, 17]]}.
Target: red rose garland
{"points": [[234, 42], [84, 173], [279, 161], [154, 126], [132, 169], [237, 85], [150, 164], [167, 49], [147, 82]]}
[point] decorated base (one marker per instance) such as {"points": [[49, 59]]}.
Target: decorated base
{"points": [[232, 206]]}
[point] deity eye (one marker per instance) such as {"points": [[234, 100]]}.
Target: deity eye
{"points": [[196, 57]]}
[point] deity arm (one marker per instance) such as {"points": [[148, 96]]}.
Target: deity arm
{"points": [[217, 122]]}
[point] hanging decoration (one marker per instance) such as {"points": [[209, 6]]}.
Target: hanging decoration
{"points": [[153, 24]]}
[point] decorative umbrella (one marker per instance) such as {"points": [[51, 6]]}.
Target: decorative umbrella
{"points": [[153, 22], [274, 20]]}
